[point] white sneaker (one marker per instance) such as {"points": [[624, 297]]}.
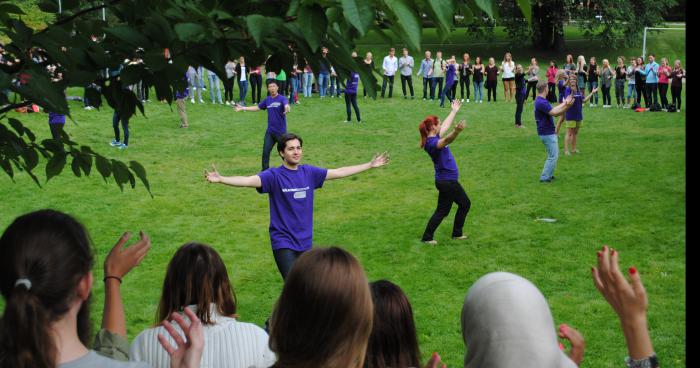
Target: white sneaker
{"points": [[590, 105], [192, 100], [467, 100], [201, 101], [462, 100]]}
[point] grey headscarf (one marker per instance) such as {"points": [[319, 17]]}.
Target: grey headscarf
{"points": [[506, 323]]}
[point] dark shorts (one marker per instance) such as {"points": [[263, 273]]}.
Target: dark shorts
{"points": [[508, 79]]}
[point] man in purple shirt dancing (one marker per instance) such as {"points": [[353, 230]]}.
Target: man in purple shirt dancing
{"points": [[291, 192]]}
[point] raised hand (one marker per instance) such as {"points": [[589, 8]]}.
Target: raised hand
{"points": [[120, 261], [628, 299], [212, 177], [577, 343], [460, 126], [188, 353], [456, 105], [435, 362], [380, 159]]}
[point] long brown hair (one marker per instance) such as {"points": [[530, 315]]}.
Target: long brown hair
{"points": [[393, 342], [424, 128], [52, 251], [197, 276], [323, 317]]}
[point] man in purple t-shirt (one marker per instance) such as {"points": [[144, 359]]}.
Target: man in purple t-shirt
{"points": [[544, 115], [291, 191], [277, 107]]}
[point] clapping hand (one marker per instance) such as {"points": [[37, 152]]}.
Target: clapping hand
{"points": [[460, 126]]}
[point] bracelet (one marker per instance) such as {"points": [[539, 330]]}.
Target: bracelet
{"points": [[112, 277], [649, 362]]}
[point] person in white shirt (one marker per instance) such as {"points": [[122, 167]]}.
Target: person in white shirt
{"points": [[389, 66], [198, 280], [406, 66]]}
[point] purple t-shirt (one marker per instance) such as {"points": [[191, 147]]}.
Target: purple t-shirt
{"points": [[444, 162], [56, 118], [276, 119], [291, 194], [351, 85], [451, 72], [561, 85], [545, 122], [575, 112]]}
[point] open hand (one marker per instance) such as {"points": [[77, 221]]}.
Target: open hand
{"points": [[188, 353], [456, 105], [577, 343], [380, 159], [120, 261], [212, 177], [239, 108], [460, 126]]}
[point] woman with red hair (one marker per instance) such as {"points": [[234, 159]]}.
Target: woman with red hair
{"points": [[434, 140]]}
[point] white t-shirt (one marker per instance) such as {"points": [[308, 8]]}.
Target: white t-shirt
{"points": [[390, 65], [508, 69], [243, 73]]}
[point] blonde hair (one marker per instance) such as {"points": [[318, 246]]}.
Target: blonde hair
{"points": [[323, 318]]}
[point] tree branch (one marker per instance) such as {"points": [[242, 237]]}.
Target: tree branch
{"points": [[9, 107], [79, 14]]}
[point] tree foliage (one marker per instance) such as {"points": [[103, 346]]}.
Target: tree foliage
{"points": [[175, 34]]}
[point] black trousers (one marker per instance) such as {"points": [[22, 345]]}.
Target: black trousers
{"points": [[404, 80], [389, 78], [552, 94], [676, 96], [449, 192], [663, 89], [531, 86], [520, 98], [436, 81], [285, 259], [125, 127], [351, 98], [464, 81], [428, 85], [491, 87], [255, 87], [56, 130], [652, 93], [228, 88], [641, 92], [607, 99]]}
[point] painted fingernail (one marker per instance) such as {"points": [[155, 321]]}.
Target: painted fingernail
{"points": [[434, 354], [633, 270], [561, 346], [614, 252], [600, 254]]}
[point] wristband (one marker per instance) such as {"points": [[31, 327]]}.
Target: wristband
{"points": [[648, 362], [112, 277]]}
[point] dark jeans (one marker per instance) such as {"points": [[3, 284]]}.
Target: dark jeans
{"points": [[531, 86], [464, 81], [285, 259], [652, 93], [270, 142], [436, 81], [351, 98], [125, 127], [390, 78], [552, 93], [520, 98], [663, 89], [56, 130], [449, 192], [620, 91], [592, 84], [228, 88], [607, 99], [242, 90], [255, 87], [428, 85], [404, 79], [676, 96], [491, 87], [642, 92], [335, 86]]}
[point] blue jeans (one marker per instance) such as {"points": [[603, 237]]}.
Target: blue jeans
{"points": [[200, 77], [478, 91], [214, 88], [294, 89], [447, 91], [322, 84], [270, 141], [308, 80], [581, 82], [242, 90], [335, 86], [591, 86], [631, 91], [285, 259], [551, 143]]}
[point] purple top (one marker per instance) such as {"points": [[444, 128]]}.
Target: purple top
{"points": [[182, 94], [545, 122], [561, 85], [575, 112], [56, 118], [444, 162], [291, 194], [276, 119], [353, 81], [451, 72]]}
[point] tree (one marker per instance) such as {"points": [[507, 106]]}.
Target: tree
{"points": [[175, 34]]}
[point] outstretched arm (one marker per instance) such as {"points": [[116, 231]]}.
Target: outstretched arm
{"points": [[378, 160], [590, 95], [444, 141], [236, 181], [562, 107], [456, 105], [247, 108]]}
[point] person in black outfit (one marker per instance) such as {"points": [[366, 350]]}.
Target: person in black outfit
{"points": [[465, 71], [520, 95]]}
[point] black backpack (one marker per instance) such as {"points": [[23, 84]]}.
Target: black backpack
{"points": [[671, 108], [655, 107]]}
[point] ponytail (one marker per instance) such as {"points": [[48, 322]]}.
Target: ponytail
{"points": [[25, 340], [424, 128]]}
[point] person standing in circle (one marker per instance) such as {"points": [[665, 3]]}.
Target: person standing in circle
{"points": [[291, 188], [435, 141], [277, 107]]}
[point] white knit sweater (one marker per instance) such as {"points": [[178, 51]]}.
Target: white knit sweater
{"points": [[227, 343]]}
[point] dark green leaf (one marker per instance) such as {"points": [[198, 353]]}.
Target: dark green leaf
{"points": [[190, 32], [5, 80], [260, 26], [128, 35], [85, 161], [103, 167], [31, 158], [75, 165], [121, 173], [526, 8], [8, 8], [313, 23], [41, 91], [443, 11], [293, 8], [488, 6], [407, 20], [48, 6], [5, 164], [55, 165], [141, 173], [359, 13]]}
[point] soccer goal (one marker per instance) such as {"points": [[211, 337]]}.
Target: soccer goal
{"points": [[659, 42]]}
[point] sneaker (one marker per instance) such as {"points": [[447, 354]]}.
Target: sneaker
{"points": [[184, 126], [347, 121], [192, 100], [201, 101], [115, 143], [462, 100], [467, 100], [463, 237], [546, 180], [482, 101], [577, 151], [424, 99], [123, 146], [590, 105], [567, 153], [430, 242]]}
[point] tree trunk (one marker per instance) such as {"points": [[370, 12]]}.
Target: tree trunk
{"points": [[548, 25]]}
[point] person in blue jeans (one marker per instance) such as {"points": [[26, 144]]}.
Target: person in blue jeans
{"points": [[544, 116], [651, 72], [214, 87], [324, 71]]}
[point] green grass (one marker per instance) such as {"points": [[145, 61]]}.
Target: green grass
{"points": [[625, 189]]}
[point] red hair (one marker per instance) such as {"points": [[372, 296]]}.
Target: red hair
{"points": [[425, 126]]}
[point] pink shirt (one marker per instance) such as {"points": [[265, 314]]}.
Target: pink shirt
{"points": [[551, 74], [663, 79]]}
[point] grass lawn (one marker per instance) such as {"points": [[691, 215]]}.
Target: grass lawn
{"points": [[626, 189]]}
